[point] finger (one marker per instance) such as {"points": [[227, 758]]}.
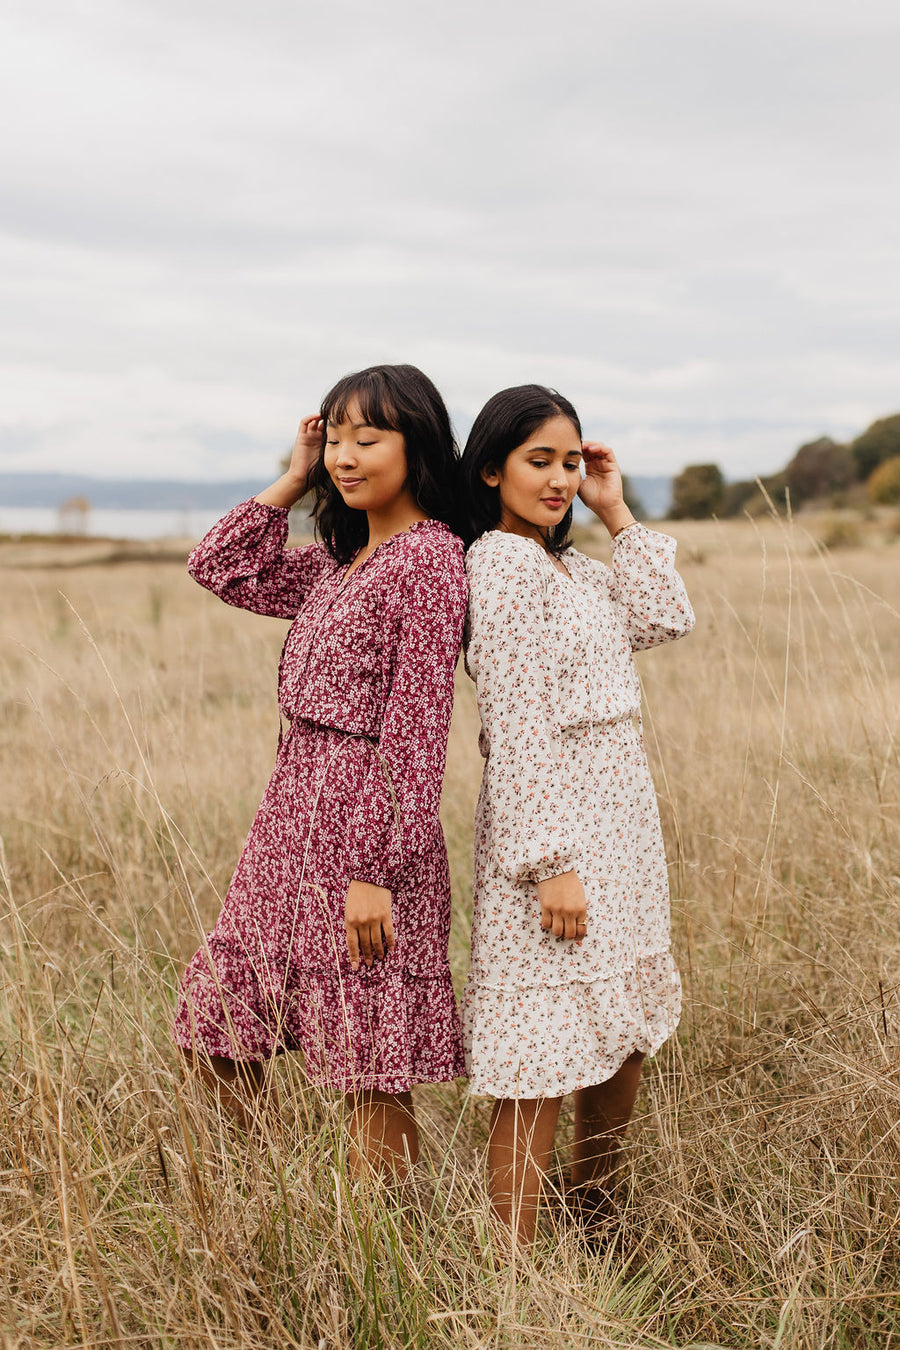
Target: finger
{"points": [[570, 926], [353, 947], [376, 941], [559, 926], [389, 940], [365, 944], [546, 919]]}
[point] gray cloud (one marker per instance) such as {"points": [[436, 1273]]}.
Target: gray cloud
{"points": [[684, 217]]}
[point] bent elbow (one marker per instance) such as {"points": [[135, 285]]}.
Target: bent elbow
{"points": [[199, 569]]}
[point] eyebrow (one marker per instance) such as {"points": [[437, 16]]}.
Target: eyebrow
{"points": [[549, 450], [355, 426]]}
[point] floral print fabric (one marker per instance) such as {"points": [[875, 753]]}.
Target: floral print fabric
{"points": [[366, 679], [566, 785]]}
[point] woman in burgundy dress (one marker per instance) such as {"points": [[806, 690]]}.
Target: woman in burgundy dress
{"points": [[333, 936]]}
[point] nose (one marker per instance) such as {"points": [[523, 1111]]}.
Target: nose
{"points": [[346, 457]]}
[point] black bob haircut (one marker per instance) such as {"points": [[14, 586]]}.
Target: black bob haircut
{"points": [[505, 422], [393, 398]]}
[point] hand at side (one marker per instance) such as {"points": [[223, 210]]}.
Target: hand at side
{"points": [[563, 906], [367, 920]]}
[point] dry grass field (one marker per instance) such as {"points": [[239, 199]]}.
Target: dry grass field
{"points": [[761, 1199]]}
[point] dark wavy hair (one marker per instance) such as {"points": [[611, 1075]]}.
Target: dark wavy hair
{"points": [[394, 398], [505, 422]]}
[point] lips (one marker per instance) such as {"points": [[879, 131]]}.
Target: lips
{"points": [[553, 502], [350, 482]]}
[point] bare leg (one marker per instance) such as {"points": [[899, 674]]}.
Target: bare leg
{"points": [[521, 1141], [235, 1084], [383, 1132], [601, 1114]]}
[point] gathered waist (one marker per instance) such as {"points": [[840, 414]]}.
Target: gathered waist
{"points": [[591, 726], [588, 732], [310, 726]]}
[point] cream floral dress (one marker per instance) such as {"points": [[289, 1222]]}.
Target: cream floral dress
{"points": [[566, 785]]}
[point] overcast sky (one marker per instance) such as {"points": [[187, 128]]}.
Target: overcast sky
{"points": [[683, 215]]}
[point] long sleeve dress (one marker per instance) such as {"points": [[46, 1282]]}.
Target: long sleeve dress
{"points": [[566, 785], [366, 681]]}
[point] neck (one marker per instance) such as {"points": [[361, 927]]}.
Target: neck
{"points": [[393, 519], [525, 528]]}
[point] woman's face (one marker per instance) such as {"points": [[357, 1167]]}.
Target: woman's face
{"points": [[539, 479], [366, 464]]}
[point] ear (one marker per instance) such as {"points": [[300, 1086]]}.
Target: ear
{"points": [[490, 475]]}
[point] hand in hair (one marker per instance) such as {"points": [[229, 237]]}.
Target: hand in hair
{"points": [[291, 486], [307, 447], [601, 488]]}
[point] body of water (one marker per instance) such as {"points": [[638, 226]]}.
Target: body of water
{"points": [[110, 524]]}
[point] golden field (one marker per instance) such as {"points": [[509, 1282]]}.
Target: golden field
{"points": [[761, 1196]]}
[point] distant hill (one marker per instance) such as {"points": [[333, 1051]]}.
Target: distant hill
{"points": [[175, 494], [654, 492], [123, 494]]}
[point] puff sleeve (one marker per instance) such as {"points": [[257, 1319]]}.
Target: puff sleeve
{"points": [[646, 590], [243, 560]]}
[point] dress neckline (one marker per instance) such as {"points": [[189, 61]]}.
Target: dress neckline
{"points": [[346, 575], [567, 553]]}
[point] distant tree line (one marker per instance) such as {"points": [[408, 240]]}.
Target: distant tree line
{"points": [[868, 466]]}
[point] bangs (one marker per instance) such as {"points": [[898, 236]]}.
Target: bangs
{"points": [[368, 391]]}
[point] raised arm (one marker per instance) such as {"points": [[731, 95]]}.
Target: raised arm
{"points": [[533, 821], [646, 589], [243, 558]]}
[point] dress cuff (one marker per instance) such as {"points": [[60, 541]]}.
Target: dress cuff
{"points": [[373, 875], [268, 507], [553, 867]]}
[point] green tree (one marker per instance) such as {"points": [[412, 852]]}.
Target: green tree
{"points": [[884, 484], [697, 492], [879, 442], [754, 497], [737, 497], [819, 468]]}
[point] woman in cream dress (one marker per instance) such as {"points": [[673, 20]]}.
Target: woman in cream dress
{"points": [[572, 979]]}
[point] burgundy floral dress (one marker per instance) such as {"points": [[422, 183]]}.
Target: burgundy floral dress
{"points": [[366, 681]]}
